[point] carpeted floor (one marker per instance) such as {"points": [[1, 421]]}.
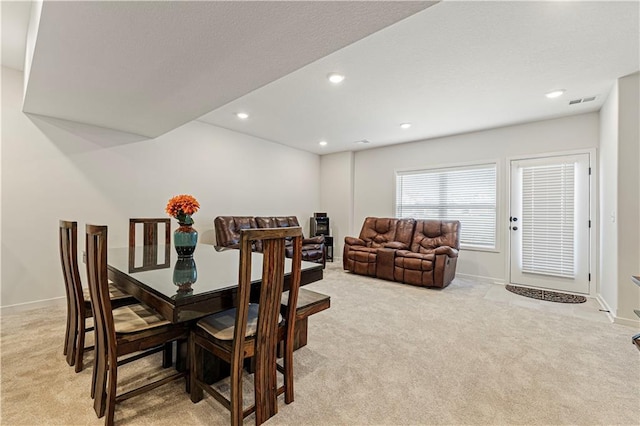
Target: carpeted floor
{"points": [[384, 354]]}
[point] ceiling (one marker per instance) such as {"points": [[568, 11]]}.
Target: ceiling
{"points": [[454, 67], [149, 67]]}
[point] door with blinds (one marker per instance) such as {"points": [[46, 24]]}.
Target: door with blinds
{"points": [[550, 224]]}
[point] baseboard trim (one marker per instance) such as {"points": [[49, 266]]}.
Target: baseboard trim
{"points": [[616, 319], [481, 278], [38, 304], [626, 321], [605, 307]]}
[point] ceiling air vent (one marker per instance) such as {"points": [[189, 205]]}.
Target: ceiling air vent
{"points": [[587, 99], [362, 142]]}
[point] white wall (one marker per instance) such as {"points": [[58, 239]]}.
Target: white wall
{"points": [[54, 170], [336, 196], [608, 167], [628, 201], [374, 172]]}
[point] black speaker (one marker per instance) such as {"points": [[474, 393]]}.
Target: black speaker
{"points": [[319, 226]]}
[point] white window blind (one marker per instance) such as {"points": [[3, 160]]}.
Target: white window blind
{"points": [[467, 194], [548, 194]]}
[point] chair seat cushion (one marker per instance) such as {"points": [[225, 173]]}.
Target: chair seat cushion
{"points": [[221, 325], [136, 317]]}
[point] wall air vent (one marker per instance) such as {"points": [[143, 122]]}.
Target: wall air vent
{"points": [[583, 100]]}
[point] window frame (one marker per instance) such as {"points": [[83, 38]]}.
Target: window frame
{"points": [[453, 166]]}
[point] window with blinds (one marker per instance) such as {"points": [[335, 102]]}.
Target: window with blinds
{"points": [[467, 194], [548, 223]]}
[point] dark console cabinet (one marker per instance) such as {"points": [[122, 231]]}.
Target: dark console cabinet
{"points": [[328, 243]]}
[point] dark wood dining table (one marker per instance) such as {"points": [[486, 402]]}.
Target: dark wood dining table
{"points": [[171, 288]]}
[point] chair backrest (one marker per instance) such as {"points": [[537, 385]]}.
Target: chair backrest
{"points": [[105, 332], [267, 336], [431, 234], [150, 243], [68, 235]]}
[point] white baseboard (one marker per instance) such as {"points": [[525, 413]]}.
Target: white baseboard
{"points": [[481, 278], [616, 319], [626, 321], [21, 307], [605, 307]]}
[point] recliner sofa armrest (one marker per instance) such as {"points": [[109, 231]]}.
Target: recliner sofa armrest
{"points": [[449, 251], [396, 245], [318, 239], [352, 241]]}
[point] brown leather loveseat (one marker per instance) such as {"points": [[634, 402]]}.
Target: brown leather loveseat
{"points": [[420, 252], [228, 234]]}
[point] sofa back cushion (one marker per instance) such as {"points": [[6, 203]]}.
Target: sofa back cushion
{"points": [[404, 231], [228, 230], [376, 231], [278, 222], [430, 234]]}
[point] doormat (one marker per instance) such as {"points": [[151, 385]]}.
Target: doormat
{"points": [[549, 296]]}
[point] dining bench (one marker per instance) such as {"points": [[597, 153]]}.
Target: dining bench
{"points": [[309, 303]]}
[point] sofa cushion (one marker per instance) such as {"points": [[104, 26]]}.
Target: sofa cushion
{"points": [[378, 231], [430, 234], [228, 230], [362, 260], [414, 268], [364, 251], [312, 248], [417, 261], [404, 231]]}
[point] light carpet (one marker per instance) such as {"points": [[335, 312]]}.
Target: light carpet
{"points": [[383, 354]]}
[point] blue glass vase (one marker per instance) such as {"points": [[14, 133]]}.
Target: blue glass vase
{"points": [[185, 239], [185, 275], [185, 272]]}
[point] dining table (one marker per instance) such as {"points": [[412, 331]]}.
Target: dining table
{"points": [[185, 289]]}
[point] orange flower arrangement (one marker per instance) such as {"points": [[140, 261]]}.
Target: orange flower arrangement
{"points": [[182, 207]]}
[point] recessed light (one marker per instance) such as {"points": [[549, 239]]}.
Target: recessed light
{"points": [[405, 125], [322, 143], [242, 115], [555, 93], [335, 78]]}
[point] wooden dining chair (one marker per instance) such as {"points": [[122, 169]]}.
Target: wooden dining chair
{"points": [[151, 242], [78, 299], [133, 329], [253, 330]]}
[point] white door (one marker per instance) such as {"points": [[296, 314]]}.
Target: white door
{"points": [[550, 224]]}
